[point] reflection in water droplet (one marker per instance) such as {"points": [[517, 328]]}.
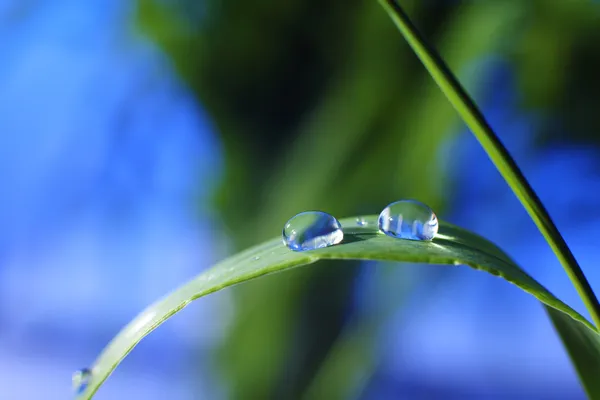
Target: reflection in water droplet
{"points": [[311, 230], [408, 219], [361, 221], [80, 380]]}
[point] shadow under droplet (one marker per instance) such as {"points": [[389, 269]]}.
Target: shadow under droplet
{"points": [[352, 237]]}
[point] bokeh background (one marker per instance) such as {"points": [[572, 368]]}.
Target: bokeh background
{"points": [[141, 141]]}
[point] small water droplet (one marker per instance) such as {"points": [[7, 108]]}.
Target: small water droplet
{"points": [[81, 380], [256, 258], [311, 230], [361, 221], [408, 219]]}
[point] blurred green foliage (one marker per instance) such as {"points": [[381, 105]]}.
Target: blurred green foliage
{"points": [[321, 105]]}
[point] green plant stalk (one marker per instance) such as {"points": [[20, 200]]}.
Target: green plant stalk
{"points": [[499, 155]]}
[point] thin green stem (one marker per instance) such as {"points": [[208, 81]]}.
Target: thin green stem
{"points": [[503, 161]]}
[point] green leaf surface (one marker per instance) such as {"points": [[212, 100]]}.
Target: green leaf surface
{"points": [[452, 246], [583, 347]]}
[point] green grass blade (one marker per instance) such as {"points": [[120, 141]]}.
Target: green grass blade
{"points": [[583, 347], [452, 246], [503, 161]]}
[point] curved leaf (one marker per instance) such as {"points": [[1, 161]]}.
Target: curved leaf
{"points": [[453, 246]]}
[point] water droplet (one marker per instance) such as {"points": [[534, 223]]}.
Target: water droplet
{"points": [[256, 258], [408, 219], [80, 380], [311, 230], [361, 221]]}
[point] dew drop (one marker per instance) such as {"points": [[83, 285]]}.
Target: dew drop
{"points": [[408, 219], [362, 221], [81, 380], [256, 258], [311, 230]]}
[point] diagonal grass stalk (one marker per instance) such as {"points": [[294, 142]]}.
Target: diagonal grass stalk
{"points": [[499, 155]]}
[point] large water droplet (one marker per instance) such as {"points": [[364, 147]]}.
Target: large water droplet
{"points": [[408, 219], [81, 379], [311, 230]]}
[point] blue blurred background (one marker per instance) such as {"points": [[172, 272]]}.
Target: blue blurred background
{"points": [[144, 140]]}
